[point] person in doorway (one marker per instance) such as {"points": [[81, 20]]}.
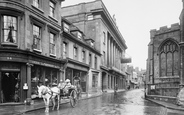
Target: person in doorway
{"points": [[6, 87]]}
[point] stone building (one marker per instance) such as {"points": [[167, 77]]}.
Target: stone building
{"points": [[83, 60], [164, 61], [94, 20], [29, 47]]}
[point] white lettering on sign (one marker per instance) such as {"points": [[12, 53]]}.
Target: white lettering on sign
{"points": [[44, 64]]}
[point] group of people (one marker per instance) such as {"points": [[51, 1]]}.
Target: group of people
{"points": [[64, 85]]}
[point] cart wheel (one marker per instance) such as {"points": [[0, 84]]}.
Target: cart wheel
{"points": [[73, 98], [78, 94]]}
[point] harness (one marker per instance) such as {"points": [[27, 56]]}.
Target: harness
{"points": [[47, 92]]}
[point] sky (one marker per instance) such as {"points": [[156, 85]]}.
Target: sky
{"points": [[135, 19]]}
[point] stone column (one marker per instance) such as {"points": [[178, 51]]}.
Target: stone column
{"points": [[29, 81]]}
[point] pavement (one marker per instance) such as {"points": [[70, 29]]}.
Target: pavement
{"points": [[21, 108], [167, 105]]}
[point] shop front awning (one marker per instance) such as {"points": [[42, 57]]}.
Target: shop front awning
{"points": [[126, 60], [134, 82]]}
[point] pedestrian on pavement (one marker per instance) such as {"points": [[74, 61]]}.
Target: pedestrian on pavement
{"points": [[116, 88]]}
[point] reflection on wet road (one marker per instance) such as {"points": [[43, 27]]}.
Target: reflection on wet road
{"points": [[124, 103]]}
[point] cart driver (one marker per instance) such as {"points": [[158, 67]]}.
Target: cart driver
{"points": [[67, 85]]}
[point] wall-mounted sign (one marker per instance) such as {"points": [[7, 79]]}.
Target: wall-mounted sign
{"points": [[152, 87], [25, 87]]}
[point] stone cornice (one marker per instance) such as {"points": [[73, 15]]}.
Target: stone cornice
{"points": [[112, 27]]}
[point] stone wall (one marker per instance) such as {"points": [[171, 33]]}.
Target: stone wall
{"points": [[165, 85]]}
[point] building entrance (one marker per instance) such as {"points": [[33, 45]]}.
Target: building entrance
{"points": [[10, 83]]}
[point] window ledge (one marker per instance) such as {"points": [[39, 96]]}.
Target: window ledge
{"points": [[53, 18], [37, 50], [53, 55], [9, 44], [37, 9]]}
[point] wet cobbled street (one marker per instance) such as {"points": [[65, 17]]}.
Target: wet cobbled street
{"points": [[124, 103]]}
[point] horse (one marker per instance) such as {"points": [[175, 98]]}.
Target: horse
{"points": [[48, 93]]}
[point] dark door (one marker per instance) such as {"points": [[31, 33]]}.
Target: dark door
{"points": [[10, 86]]}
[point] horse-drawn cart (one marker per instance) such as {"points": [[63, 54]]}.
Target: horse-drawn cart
{"points": [[54, 93], [72, 95]]}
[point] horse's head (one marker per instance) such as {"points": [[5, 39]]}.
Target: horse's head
{"points": [[41, 90]]}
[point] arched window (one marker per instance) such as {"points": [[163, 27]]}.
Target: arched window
{"points": [[169, 58]]}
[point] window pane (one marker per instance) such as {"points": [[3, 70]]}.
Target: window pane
{"points": [[66, 27], [52, 8], [163, 64], [64, 50], [169, 64], [52, 43], [176, 61], [9, 29], [37, 37], [36, 3], [51, 38]]}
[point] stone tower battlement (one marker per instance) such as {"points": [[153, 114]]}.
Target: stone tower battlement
{"points": [[164, 29]]}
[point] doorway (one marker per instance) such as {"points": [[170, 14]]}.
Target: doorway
{"points": [[10, 87]]}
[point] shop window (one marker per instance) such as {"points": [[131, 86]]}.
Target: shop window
{"points": [[36, 77], [169, 58], [51, 77], [9, 29], [94, 81], [69, 74], [52, 44]]}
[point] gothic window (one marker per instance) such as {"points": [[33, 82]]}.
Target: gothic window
{"points": [[169, 57]]}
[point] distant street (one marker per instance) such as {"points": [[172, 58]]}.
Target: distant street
{"points": [[124, 103]]}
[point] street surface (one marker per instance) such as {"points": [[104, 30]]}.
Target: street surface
{"points": [[124, 103]]}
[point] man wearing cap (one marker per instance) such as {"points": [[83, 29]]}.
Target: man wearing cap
{"points": [[67, 85]]}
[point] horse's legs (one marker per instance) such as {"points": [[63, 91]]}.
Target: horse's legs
{"points": [[47, 105], [45, 101], [58, 96], [54, 103]]}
